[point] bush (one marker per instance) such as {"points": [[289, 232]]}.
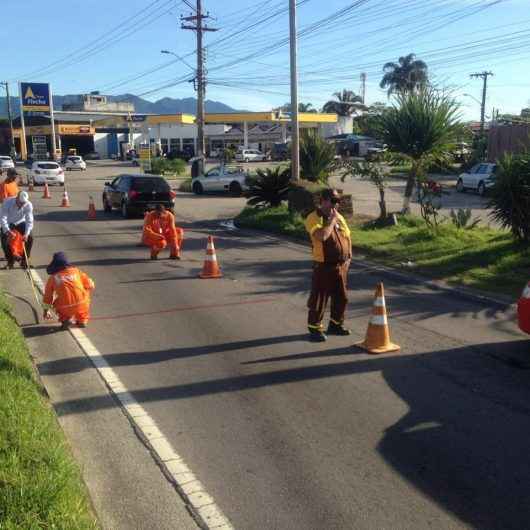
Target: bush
{"points": [[510, 195], [185, 186], [317, 157], [269, 187], [159, 166]]}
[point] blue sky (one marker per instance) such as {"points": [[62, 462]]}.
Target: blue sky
{"points": [[114, 46]]}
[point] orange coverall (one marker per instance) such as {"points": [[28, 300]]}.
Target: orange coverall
{"points": [[8, 189], [161, 231], [68, 291]]}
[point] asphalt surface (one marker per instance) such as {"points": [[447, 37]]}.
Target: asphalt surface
{"points": [[284, 433]]}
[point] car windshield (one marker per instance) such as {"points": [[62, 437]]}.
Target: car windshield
{"points": [[5, 158], [147, 184], [50, 165], [75, 158]]}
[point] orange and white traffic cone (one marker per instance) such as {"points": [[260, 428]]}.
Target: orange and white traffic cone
{"points": [[46, 194], [210, 268], [378, 335], [91, 208], [65, 203]]}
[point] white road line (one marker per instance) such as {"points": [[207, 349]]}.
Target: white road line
{"points": [[201, 505]]}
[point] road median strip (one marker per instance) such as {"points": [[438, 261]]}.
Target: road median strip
{"points": [[40, 483]]}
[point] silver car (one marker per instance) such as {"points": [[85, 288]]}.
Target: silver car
{"points": [[221, 178], [6, 162]]}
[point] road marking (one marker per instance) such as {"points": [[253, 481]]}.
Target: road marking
{"points": [[200, 504]]}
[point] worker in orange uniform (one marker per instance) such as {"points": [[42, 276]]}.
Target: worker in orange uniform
{"points": [[160, 231], [9, 188], [331, 240], [68, 292]]}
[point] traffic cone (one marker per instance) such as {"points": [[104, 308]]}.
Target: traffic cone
{"points": [[30, 184], [65, 203], [46, 194], [91, 208], [210, 268], [378, 335]]}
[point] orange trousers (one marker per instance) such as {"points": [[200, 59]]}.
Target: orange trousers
{"points": [[80, 313], [158, 242]]}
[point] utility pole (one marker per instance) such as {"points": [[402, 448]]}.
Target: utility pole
{"points": [[363, 87], [484, 75], [200, 85], [295, 131], [10, 116]]}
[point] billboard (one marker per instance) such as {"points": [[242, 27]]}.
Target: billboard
{"points": [[35, 97]]}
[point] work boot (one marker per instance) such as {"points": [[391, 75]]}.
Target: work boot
{"points": [[154, 256], [337, 329], [8, 266], [174, 256], [82, 324], [23, 264], [316, 335], [66, 324]]}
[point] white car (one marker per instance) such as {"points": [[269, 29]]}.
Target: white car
{"points": [[74, 162], [221, 178], [47, 172], [250, 155], [479, 178], [6, 162]]}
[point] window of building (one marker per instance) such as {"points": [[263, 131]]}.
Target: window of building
{"points": [[164, 144], [174, 144]]}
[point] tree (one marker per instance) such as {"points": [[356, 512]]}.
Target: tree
{"points": [[270, 187], [367, 123], [346, 104], [421, 127], [302, 107], [317, 157], [407, 75]]}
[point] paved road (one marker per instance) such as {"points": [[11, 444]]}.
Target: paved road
{"points": [[288, 434]]}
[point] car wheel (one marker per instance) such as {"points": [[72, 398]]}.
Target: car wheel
{"points": [[247, 160], [235, 189], [61, 184], [197, 188], [460, 186], [125, 213], [481, 189]]}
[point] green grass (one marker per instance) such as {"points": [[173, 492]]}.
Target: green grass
{"points": [[481, 258], [40, 483]]}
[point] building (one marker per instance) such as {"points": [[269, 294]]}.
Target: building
{"points": [[95, 102]]}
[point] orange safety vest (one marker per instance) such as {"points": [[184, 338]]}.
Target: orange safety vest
{"points": [[68, 289], [8, 189]]}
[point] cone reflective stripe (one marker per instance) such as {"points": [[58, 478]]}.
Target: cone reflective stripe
{"points": [[210, 268], [46, 194], [65, 203], [378, 335], [91, 208]]}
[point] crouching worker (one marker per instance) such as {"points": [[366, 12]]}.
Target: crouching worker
{"points": [[68, 292], [160, 231]]}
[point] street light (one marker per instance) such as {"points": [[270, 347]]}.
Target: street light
{"points": [[472, 97], [169, 52]]}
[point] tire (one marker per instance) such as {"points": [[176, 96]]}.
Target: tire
{"points": [[481, 189], [460, 186], [246, 160], [197, 188], [125, 213], [235, 189], [61, 184]]}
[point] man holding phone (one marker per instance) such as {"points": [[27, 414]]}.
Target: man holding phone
{"points": [[331, 240]]}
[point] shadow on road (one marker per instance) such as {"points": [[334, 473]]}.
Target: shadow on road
{"points": [[463, 441]]}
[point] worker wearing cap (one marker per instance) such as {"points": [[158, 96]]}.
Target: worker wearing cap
{"points": [[160, 231], [68, 292], [9, 188], [330, 237], [16, 215]]}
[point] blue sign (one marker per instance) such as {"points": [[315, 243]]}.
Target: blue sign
{"points": [[35, 96]]}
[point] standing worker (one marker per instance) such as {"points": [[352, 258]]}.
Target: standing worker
{"points": [[330, 237], [16, 215], [9, 188], [68, 292], [160, 231]]}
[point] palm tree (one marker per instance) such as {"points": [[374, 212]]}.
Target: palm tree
{"points": [[407, 75], [346, 104], [317, 157], [306, 107], [422, 127]]}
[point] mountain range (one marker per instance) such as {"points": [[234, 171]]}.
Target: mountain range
{"points": [[162, 106]]}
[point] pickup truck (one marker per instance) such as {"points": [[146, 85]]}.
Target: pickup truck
{"points": [[229, 178]]}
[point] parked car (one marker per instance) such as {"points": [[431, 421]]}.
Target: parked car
{"points": [[6, 162], [250, 155], [479, 178], [221, 178], [43, 171], [74, 162], [135, 194], [93, 155], [280, 151], [523, 310]]}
